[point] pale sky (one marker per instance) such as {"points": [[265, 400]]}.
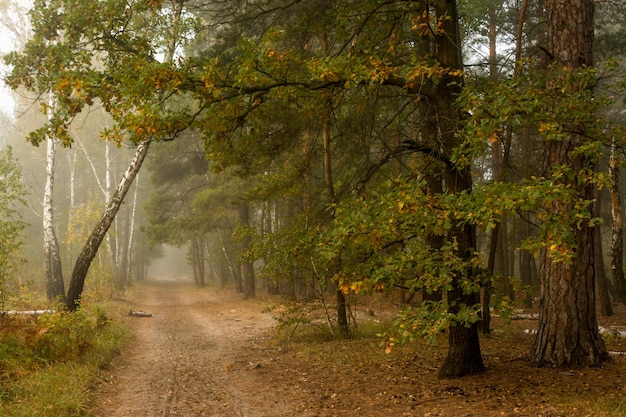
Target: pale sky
{"points": [[7, 43], [6, 100]]}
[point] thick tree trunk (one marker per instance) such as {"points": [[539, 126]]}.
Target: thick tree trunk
{"points": [[94, 241], [52, 256], [568, 332], [464, 356]]}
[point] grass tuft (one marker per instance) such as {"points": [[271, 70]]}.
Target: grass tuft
{"points": [[48, 363]]}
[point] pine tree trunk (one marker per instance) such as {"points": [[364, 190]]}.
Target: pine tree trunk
{"points": [[617, 235], [568, 333], [94, 241]]}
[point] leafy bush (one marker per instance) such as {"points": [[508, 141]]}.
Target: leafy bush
{"points": [[12, 193], [64, 336]]}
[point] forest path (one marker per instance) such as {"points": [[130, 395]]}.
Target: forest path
{"points": [[206, 352], [194, 357]]}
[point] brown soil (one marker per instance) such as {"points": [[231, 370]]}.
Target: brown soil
{"points": [[209, 353]]}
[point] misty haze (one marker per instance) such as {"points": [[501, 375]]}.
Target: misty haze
{"points": [[276, 208]]}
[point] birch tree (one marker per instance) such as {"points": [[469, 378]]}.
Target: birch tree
{"points": [[60, 59], [55, 286]]}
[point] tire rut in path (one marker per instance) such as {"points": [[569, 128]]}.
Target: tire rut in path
{"points": [[191, 358]]}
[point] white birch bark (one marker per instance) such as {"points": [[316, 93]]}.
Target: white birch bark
{"points": [[94, 241], [78, 141], [111, 248], [131, 232], [52, 258]]}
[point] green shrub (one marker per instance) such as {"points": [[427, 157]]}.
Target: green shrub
{"points": [[64, 336]]}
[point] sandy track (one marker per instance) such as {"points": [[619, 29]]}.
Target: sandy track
{"points": [[196, 356]]}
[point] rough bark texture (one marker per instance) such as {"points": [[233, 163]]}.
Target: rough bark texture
{"points": [[568, 333], [617, 235], [464, 356], [606, 309], [94, 241]]}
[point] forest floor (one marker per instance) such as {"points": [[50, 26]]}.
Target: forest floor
{"points": [[206, 352]]}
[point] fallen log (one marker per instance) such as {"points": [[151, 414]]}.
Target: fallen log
{"points": [[27, 312], [134, 313]]}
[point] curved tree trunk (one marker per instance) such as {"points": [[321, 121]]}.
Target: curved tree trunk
{"points": [[98, 234], [94, 241]]}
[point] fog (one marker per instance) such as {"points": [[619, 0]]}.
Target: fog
{"points": [[172, 266]]}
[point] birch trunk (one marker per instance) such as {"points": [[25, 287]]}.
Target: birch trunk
{"points": [[98, 234], [52, 257], [94, 241], [111, 247], [125, 275]]}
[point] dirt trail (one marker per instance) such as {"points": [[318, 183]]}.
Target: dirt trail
{"points": [[206, 352], [196, 356]]}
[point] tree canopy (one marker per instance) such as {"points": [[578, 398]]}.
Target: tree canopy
{"points": [[372, 158]]}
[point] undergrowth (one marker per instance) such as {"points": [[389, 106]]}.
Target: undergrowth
{"points": [[315, 321], [49, 362]]}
